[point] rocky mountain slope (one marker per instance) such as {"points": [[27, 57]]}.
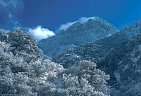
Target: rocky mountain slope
{"points": [[79, 32], [117, 55]]}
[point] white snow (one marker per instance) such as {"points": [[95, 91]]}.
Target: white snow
{"points": [[85, 19], [139, 47], [109, 35], [134, 59], [125, 67], [117, 75]]}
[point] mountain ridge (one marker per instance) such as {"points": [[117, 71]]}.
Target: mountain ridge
{"points": [[78, 33], [107, 53]]}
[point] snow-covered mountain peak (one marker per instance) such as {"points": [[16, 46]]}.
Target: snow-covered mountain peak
{"points": [[85, 19], [82, 20], [79, 32]]}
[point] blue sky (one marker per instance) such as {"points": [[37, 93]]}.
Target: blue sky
{"points": [[53, 13]]}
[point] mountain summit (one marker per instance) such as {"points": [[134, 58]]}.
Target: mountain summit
{"points": [[83, 31]]}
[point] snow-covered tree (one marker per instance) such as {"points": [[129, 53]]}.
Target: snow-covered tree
{"points": [[82, 79], [22, 78], [23, 71]]}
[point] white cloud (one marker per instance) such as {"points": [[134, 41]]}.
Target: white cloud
{"points": [[81, 20], [40, 33]]}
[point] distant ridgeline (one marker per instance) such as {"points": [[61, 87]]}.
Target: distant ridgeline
{"points": [[117, 53], [82, 58]]}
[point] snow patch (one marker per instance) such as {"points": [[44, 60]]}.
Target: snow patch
{"points": [[139, 47], [134, 60], [109, 35], [85, 19], [125, 68], [117, 75]]}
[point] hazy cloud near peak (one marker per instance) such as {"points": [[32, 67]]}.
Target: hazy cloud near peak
{"points": [[81, 20], [66, 26], [40, 33]]}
